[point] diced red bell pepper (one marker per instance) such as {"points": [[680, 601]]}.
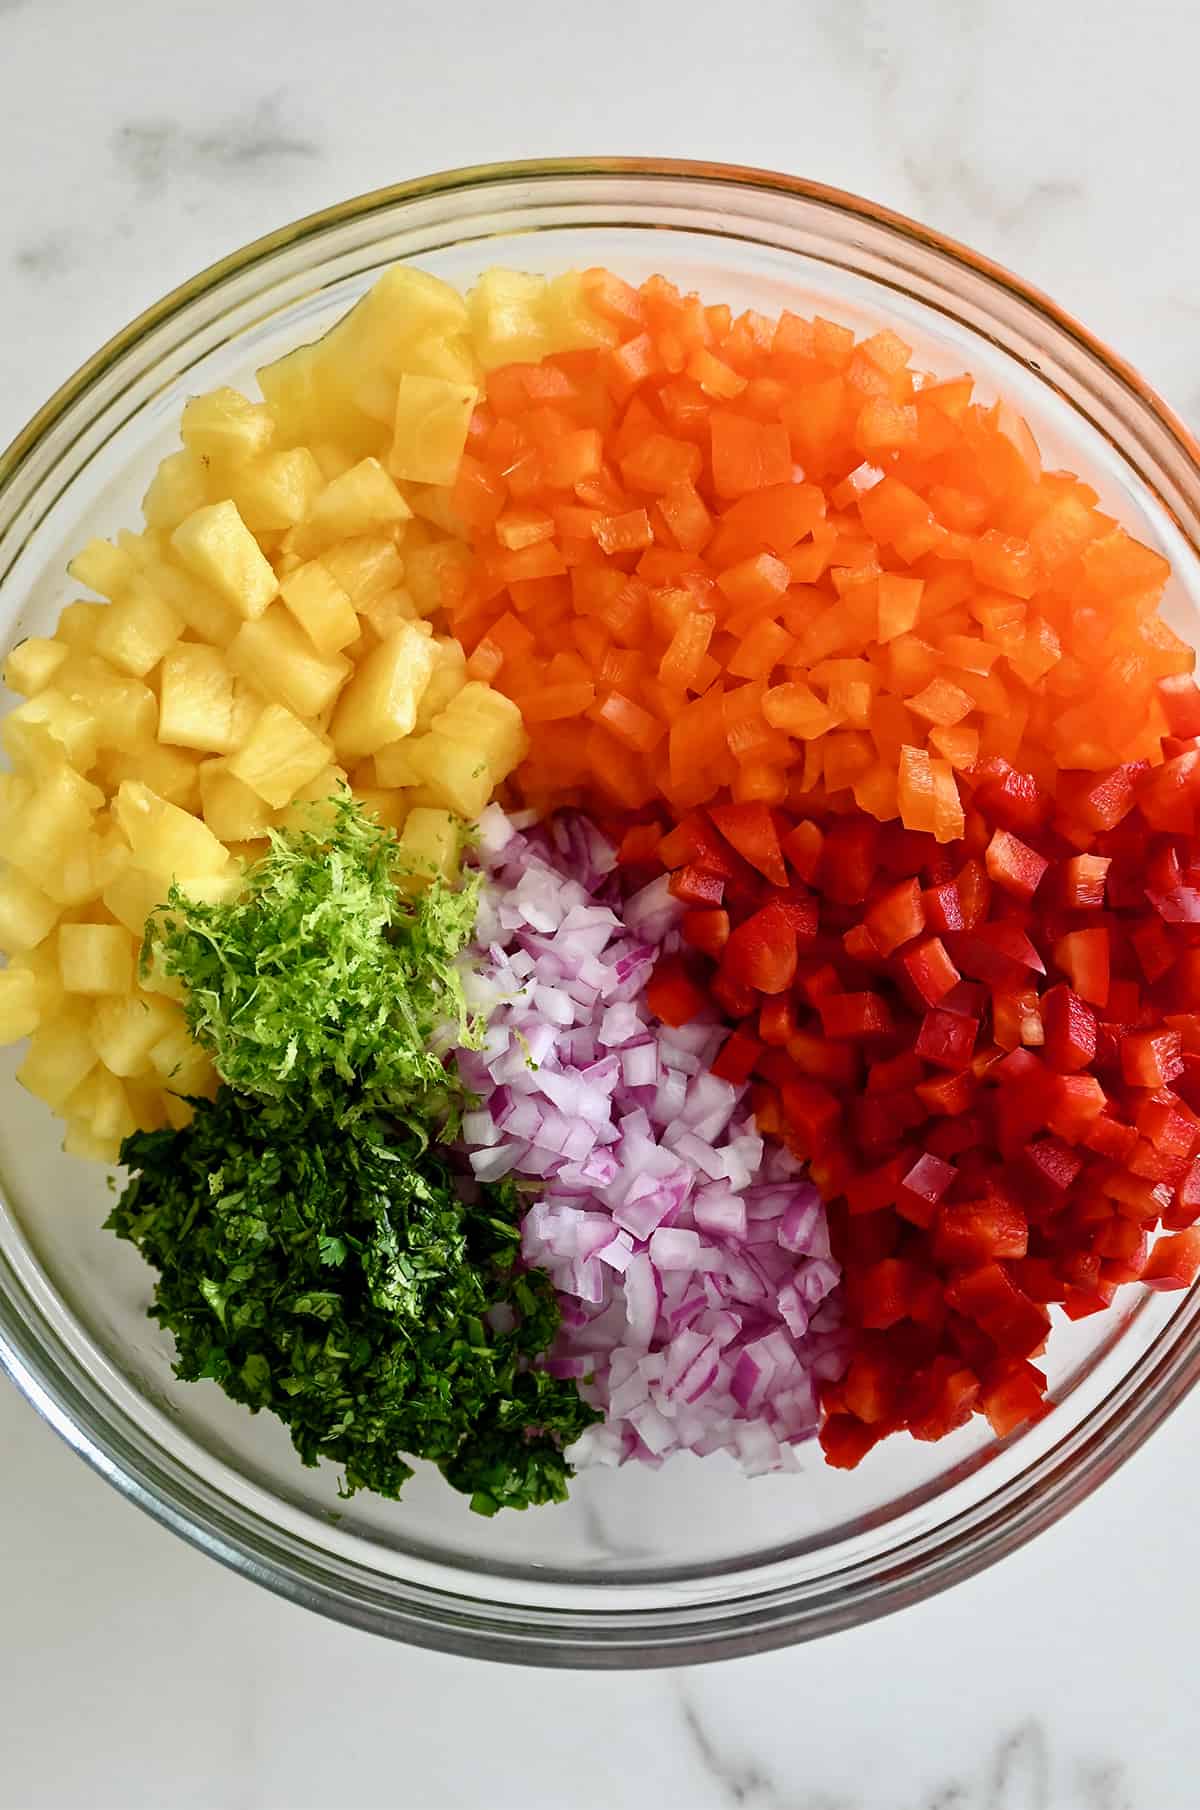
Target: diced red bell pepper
{"points": [[816, 982], [1169, 1125], [846, 1440], [1017, 1018], [1180, 905], [881, 1120], [887, 1292], [1151, 1058], [696, 886], [861, 947], [802, 846], [945, 1039], [941, 1398], [1012, 1398], [1180, 699], [1084, 956], [707, 931], [836, 1064], [1053, 1162], [1167, 796], [761, 952], [978, 1231], [897, 917], [737, 1056], [750, 829], [998, 952], [694, 841], [1009, 797], [672, 994], [639, 845], [1078, 1303], [1013, 865], [989, 1296], [1110, 1138], [855, 1015], [894, 1073], [735, 999], [873, 1189], [1174, 1262], [801, 911], [929, 969], [923, 1186], [961, 903], [1074, 1104], [848, 860], [810, 1109], [871, 1385], [1039, 1279], [1185, 1208], [1081, 882], [1070, 1028], [777, 1022], [947, 1094], [1098, 801], [1153, 948]]}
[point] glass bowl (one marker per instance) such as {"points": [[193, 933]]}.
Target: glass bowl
{"points": [[641, 1567]]}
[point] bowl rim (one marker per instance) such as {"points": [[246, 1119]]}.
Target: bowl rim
{"points": [[452, 1621]]}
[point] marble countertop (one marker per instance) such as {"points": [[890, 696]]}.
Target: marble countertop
{"points": [[142, 141]]}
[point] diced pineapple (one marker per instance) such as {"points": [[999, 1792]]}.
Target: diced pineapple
{"points": [[60, 1055], [166, 841], [179, 1113], [434, 504], [277, 656], [125, 1029], [132, 895], [365, 567], [280, 757], [124, 709], [181, 1064], [20, 1013], [332, 460], [85, 868], [178, 488], [277, 490], [32, 664], [382, 615], [450, 356], [365, 354], [59, 813], [195, 708], [488, 723], [380, 703], [571, 324], [394, 765], [137, 630], [49, 728], [389, 807], [146, 1100], [27, 914], [455, 776], [320, 606], [231, 810], [226, 426], [216, 889], [307, 403], [449, 677], [432, 417], [434, 574], [81, 1141], [171, 772], [101, 1103], [41, 967], [16, 791], [207, 615], [312, 806], [95, 958], [99, 566], [215, 544], [507, 311], [79, 623], [363, 498], [430, 842]]}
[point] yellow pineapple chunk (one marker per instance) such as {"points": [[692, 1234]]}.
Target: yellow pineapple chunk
{"points": [[487, 722], [60, 1055], [451, 356], [40, 965], [102, 1105], [277, 656], [79, 623], [49, 728], [388, 807], [449, 677], [362, 498], [20, 1012], [366, 567], [313, 804], [32, 664], [81, 1141], [508, 320], [95, 958], [125, 710], [85, 868], [137, 630], [204, 612], [125, 1029], [58, 815], [179, 487], [280, 757], [571, 324], [430, 843], [320, 606], [232, 811], [27, 914], [455, 776], [99, 566], [216, 546], [225, 425], [379, 705], [432, 417], [381, 615], [171, 772], [181, 1064], [195, 708], [277, 490], [394, 765], [431, 572], [164, 840]]}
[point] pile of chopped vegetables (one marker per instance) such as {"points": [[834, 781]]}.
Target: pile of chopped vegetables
{"points": [[665, 854]]}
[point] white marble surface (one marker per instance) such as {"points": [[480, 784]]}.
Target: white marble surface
{"points": [[141, 140]]}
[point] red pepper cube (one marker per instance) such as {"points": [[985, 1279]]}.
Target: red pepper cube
{"points": [[802, 846], [1180, 699], [897, 917], [846, 1440], [1151, 1059], [1109, 1138], [1153, 948], [1054, 1163], [777, 1022], [998, 953], [737, 1056], [886, 1292], [1017, 1018], [1078, 1303], [707, 931], [978, 1231], [811, 1111], [871, 1190], [1081, 882], [1174, 1262], [1074, 1104], [947, 1095], [861, 947], [1095, 801], [988, 1296], [946, 1040], [1169, 1125], [1013, 865], [961, 903], [1039, 1279], [761, 952], [848, 860], [871, 1385], [1011, 798], [695, 886], [1185, 1208], [639, 845], [929, 970], [1070, 1027], [941, 1398], [855, 1015], [923, 1186], [1013, 1399], [671, 993], [750, 829], [1167, 796], [819, 981], [895, 1073], [1084, 956]]}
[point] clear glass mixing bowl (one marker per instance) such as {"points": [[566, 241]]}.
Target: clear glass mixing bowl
{"points": [[640, 1568]]}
